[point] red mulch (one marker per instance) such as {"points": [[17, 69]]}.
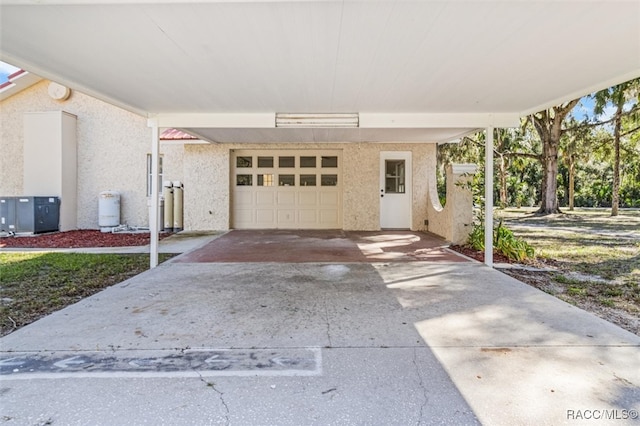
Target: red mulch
{"points": [[479, 255], [77, 239]]}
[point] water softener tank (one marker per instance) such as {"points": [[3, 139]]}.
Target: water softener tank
{"points": [[177, 206], [108, 210], [167, 193]]}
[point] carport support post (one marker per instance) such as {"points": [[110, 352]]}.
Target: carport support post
{"points": [[488, 197], [154, 217]]}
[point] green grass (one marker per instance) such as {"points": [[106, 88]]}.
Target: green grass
{"points": [[605, 250], [34, 284]]}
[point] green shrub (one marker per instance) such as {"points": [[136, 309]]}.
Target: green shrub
{"points": [[503, 241]]}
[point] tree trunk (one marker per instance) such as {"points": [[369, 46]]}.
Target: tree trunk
{"points": [[572, 177], [503, 182], [549, 203], [548, 124], [615, 192]]}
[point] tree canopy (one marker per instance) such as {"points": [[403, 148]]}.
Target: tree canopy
{"points": [[582, 153]]}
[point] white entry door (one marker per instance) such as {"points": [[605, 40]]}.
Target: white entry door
{"points": [[395, 190]]}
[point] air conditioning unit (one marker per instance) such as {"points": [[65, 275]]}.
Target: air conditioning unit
{"points": [[37, 214], [7, 214]]}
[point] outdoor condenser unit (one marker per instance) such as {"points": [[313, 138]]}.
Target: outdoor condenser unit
{"points": [[37, 214], [7, 214]]}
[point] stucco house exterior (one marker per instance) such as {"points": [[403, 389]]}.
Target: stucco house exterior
{"points": [[310, 110], [243, 185], [109, 145]]}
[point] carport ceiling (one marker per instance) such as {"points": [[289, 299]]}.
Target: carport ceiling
{"points": [[475, 63]]}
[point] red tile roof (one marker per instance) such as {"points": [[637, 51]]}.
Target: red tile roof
{"points": [[175, 135]]}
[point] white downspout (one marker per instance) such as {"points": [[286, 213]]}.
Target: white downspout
{"points": [[155, 208], [488, 197]]}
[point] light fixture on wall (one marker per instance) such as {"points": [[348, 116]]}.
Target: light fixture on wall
{"points": [[317, 120], [58, 91]]}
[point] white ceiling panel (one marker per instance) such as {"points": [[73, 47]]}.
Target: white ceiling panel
{"points": [[378, 56]]}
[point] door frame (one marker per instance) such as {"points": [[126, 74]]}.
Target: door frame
{"points": [[398, 221]]}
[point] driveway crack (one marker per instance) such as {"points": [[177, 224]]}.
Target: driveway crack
{"points": [[326, 319], [212, 385], [422, 386]]}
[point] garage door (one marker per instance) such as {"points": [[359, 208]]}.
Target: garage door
{"points": [[286, 189]]}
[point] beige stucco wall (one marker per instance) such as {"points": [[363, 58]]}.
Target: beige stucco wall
{"points": [[112, 149], [207, 188], [454, 221], [172, 160], [113, 145]]}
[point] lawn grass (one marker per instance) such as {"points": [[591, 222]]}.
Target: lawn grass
{"points": [[597, 255], [34, 284]]}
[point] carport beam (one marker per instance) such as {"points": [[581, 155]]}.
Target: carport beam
{"points": [[154, 216], [488, 197]]}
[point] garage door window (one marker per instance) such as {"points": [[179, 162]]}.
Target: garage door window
{"points": [[266, 162], [329, 162], [244, 162], [307, 180], [244, 180], [329, 180], [287, 162], [308, 162], [287, 180], [265, 180]]}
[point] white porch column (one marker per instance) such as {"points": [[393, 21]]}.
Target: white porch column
{"points": [[488, 197], [155, 211]]}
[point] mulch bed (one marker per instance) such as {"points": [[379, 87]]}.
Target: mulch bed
{"points": [[479, 255], [78, 239]]}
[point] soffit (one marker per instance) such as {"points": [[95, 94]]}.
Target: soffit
{"points": [[380, 56]]}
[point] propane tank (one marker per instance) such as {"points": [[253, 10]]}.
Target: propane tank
{"points": [[177, 206], [108, 210], [167, 193]]}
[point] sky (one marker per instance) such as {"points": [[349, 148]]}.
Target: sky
{"points": [[6, 70]]}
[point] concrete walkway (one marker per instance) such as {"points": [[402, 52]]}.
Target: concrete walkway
{"points": [[320, 343]]}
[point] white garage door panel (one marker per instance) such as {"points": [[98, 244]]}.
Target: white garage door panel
{"points": [[286, 198], [244, 215], [294, 189], [328, 217], [308, 217], [308, 199], [329, 199], [286, 218], [264, 199], [265, 216], [243, 198]]}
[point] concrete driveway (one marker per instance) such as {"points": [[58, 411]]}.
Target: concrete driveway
{"points": [[393, 342]]}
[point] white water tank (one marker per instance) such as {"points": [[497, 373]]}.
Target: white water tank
{"points": [[177, 206], [108, 210]]}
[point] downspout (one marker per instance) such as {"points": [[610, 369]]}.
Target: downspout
{"points": [[488, 198], [155, 208]]}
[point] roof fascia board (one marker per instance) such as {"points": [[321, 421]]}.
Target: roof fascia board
{"points": [[583, 92], [17, 82], [438, 120]]}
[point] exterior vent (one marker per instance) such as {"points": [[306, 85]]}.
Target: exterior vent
{"points": [[317, 120]]}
